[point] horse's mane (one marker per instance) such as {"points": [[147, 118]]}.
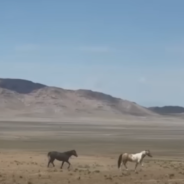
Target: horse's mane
{"points": [[69, 151], [139, 152]]}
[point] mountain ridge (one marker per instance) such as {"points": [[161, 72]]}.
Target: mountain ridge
{"points": [[25, 96], [169, 109]]}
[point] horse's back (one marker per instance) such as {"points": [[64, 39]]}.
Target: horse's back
{"points": [[53, 153], [135, 157], [127, 156], [59, 155]]}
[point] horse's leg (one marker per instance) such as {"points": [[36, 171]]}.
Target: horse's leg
{"points": [[68, 164], [48, 163], [62, 164], [52, 161], [124, 163], [136, 166], [121, 168], [141, 162]]}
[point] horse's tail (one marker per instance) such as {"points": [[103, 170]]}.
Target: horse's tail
{"points": [[119, 160], [48, 154]]}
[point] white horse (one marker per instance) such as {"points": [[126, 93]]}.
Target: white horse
{"points": [[137, 158]]}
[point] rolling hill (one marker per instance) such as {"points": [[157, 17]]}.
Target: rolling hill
{"points": [[167, 110], [25, 97]]}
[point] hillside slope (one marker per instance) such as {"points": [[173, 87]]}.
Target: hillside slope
{"points": [[167, 110], [26, 97]]}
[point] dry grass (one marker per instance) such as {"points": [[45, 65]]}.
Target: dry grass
{"points": [[30, 168], [24, 148]]}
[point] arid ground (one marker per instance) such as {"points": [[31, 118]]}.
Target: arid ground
{"points": [[24, 147]]}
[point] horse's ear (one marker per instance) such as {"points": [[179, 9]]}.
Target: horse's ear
{"points": [[146, 150]]}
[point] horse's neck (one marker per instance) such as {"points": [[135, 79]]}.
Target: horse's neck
{"points": [[140, 153], [143, 154], [69, 153]]}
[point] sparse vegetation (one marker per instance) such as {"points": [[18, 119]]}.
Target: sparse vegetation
{"points": [[29, 165], [89, 173]]}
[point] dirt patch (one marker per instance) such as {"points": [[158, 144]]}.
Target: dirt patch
{"points": [[24, 148], [31, 168]]}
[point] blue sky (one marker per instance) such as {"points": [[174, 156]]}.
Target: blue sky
{"points": [[130, 49]]}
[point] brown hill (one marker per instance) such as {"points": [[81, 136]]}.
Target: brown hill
{"points": [[25, 97], [168, 110]]}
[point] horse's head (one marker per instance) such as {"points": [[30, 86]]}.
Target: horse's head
{"points": [[74, 153], [148, 153]]}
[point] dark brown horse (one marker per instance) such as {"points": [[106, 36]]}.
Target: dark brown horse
{"points": [[64, 157]]}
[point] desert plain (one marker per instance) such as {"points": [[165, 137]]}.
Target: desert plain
{"points": [[24, 145]]}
